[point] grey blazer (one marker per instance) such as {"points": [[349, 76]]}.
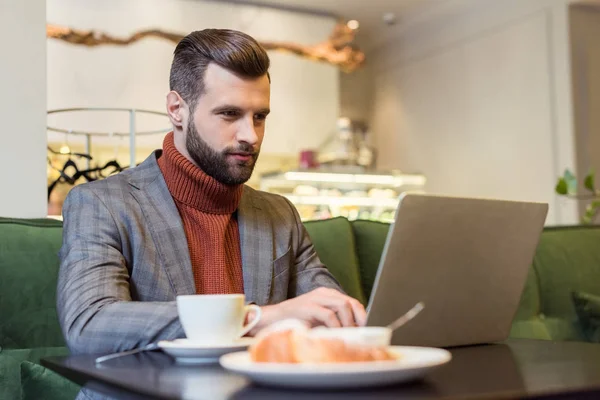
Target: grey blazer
{"points": [[125, 258]]}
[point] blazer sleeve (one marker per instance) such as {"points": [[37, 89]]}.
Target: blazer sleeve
{"points": [[95, 309], [310, 273]]}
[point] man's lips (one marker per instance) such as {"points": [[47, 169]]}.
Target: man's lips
{"points": [[241, 156]]}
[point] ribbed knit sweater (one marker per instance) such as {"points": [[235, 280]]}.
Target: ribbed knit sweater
{"points": [[207, 208]]}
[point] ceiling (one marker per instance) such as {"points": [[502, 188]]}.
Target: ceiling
{"points": [[369, 13]]}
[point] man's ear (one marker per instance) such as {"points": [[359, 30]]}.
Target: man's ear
{"points": [[176, 109]]}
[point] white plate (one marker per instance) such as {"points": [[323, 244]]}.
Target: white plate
{"points": [[413, 363], [189, 352]]}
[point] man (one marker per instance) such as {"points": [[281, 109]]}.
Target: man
{"points": [[182, 222]]}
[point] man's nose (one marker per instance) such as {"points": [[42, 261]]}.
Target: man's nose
{"points": [[247, 132]]}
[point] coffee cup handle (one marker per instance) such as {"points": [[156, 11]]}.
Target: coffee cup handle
{"points": [[257, 315]]}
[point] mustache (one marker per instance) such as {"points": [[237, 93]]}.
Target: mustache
{"points": [[243, 148]]}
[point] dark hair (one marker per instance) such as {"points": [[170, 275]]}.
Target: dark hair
{"points": [[233, 50]]}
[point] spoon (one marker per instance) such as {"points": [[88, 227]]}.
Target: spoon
{"points": [[148, 347], [417, 308]]}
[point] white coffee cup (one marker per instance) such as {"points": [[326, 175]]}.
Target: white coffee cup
{"points": [[215, 319]]}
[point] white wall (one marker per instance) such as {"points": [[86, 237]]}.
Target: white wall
{"points": [[356, 93], [480, 102], [304, 97], [23, 108], [585, 59]]}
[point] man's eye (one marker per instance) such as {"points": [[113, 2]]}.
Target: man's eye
{"points": [[229, 113], [260, 117]]}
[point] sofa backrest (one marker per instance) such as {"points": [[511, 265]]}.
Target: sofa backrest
{"points": [[335, 244], [28, 274], [370, 237], [567, 259]]}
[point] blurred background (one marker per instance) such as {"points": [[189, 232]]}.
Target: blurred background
{"points": [[369, 99]]}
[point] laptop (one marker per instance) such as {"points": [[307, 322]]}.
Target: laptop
{"points": [[466, 259]]}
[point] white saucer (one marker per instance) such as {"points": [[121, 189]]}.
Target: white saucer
{"points": [[187, 351], [412, 363]]}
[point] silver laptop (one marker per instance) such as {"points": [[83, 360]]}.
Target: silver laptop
{"points": [[466, 259]]}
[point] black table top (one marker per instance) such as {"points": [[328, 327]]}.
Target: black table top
{"points": [[514, 369]]}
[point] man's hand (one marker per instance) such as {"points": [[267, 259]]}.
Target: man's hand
{"points": [[322, 306]]}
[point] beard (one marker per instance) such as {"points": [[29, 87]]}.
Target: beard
{"points": [[219, 165]]}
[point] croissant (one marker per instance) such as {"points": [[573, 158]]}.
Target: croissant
{"points": [[294, 342]]}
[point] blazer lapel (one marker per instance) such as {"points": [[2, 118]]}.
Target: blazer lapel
{"points": [[256, 240], [166, 228]]}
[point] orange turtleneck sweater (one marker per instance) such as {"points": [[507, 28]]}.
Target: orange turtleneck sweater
{"points": [[207, 210]]}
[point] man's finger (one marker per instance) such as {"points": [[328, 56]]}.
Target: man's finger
{"points": [[350, 310], [344, 311], [340, 305], [325, 316], [360, 315]]}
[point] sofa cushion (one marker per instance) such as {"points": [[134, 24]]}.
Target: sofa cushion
{"points": [[532, 328], [38, 382], [29, 269], [334, 243], [10, 361], [530, 303], [370, 237], [567, 260], [587, 307], [562, 329]]}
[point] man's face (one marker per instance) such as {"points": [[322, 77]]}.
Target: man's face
{"points": [[226, 130]]}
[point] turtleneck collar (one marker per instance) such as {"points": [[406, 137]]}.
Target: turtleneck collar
{"points": [[189, 185]]}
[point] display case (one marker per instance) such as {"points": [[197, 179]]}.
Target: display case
{"points": [[348, 192]]}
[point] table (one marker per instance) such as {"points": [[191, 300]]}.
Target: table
{"points": [[512, 369]]}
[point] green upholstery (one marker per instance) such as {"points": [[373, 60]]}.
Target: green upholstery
{"points": [[562, 329], [334, 243], [28, 273], [587, 307], [533, 327], [567, 260], [370, 237], [10, 373], [38, 382], [528, 321]]}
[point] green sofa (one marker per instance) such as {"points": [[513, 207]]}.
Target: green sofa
{"points": [[567, 259]]}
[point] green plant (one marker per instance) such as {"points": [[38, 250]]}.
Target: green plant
{"points": [[567, 186]]}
